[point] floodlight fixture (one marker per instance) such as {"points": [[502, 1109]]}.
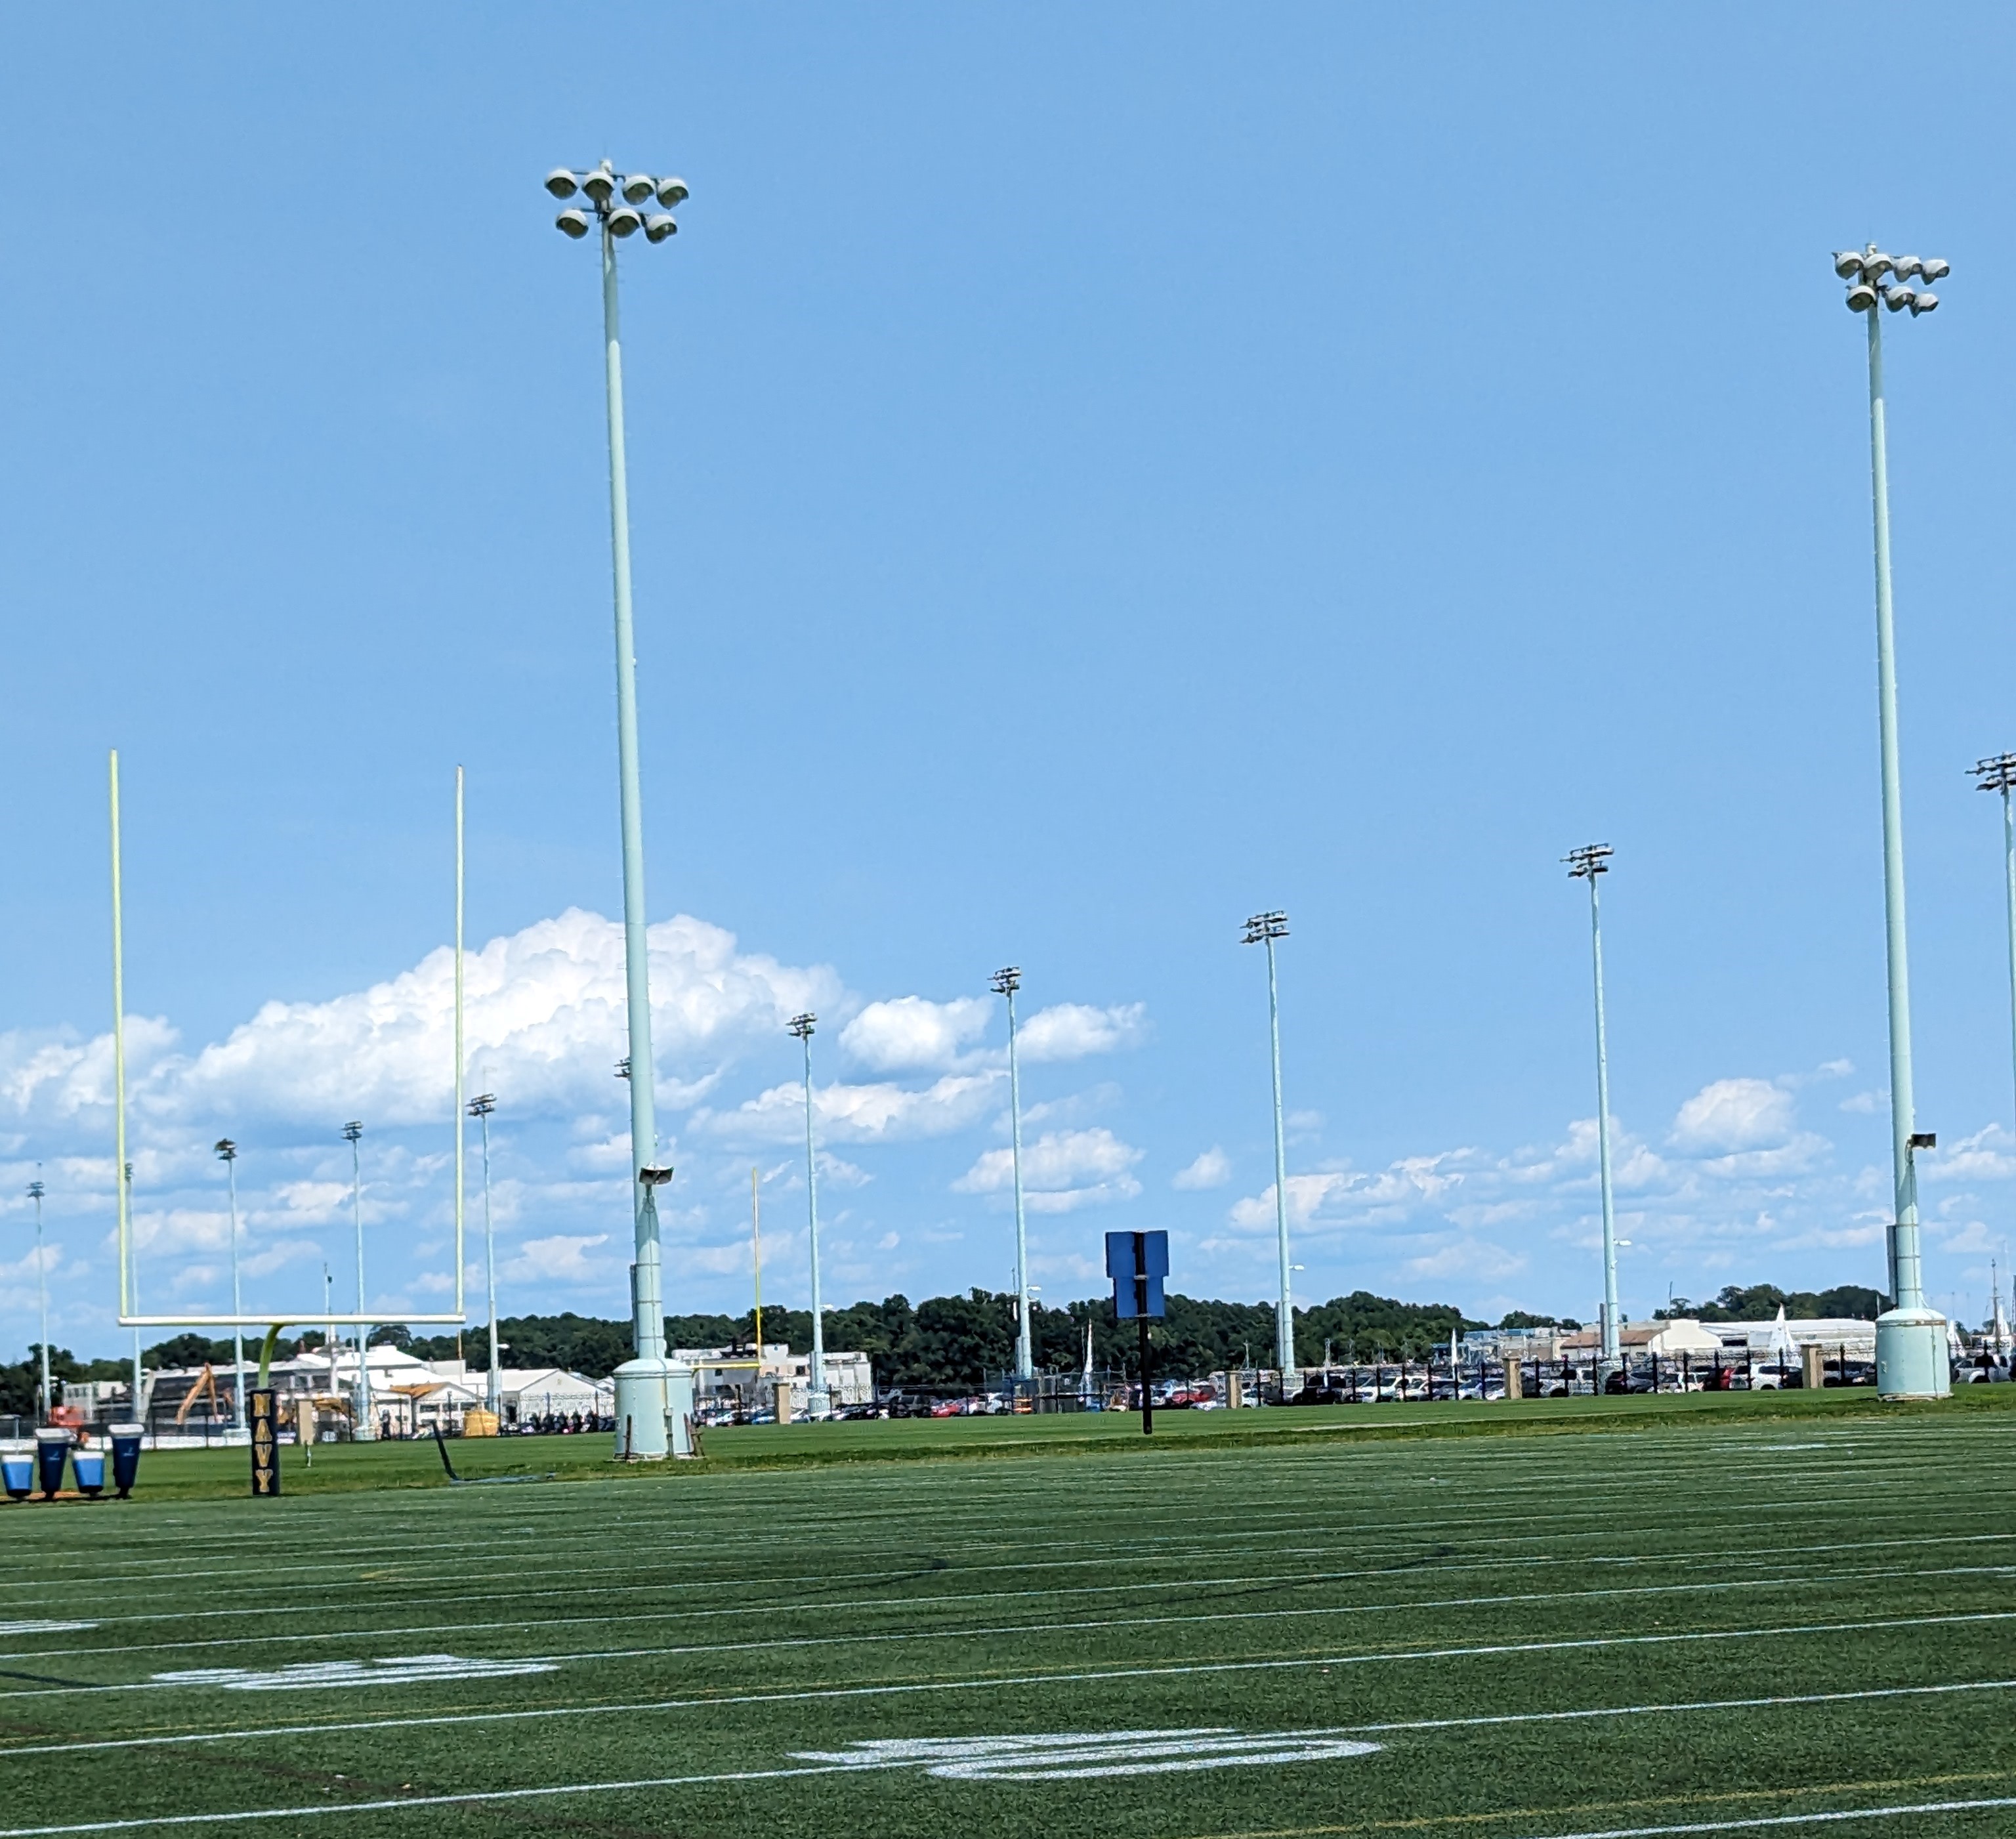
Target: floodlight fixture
{"points": [[623, 221], [352, 1131], [598, 185], [1847, 265], [1911, 1360], [572, 223], [36, 1190], [637, 187], [623, 1068], [226, 1151], [655, 1174], [1591, 858], [672, 192], [1263, 926], [800, 1027], [657, 228], [1005, 981], [1925, 1139], [562, 183]]}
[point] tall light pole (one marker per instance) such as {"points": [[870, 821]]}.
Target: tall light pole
{"points": [[1263, 929], [1998, 775], [480, 1107], [1006, 983], [352, 1131], [1911, 1360], [227, 1152], [643, 1401], [815, 1394], [35, 1193], [1585, 864]]}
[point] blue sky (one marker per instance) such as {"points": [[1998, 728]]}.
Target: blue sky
{"points": [[1097, 473]]}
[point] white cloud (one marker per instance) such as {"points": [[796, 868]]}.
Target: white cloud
{"points": [[1061, 1171], [907, 1032], [1071, 1030], [1473, 1258], [881, 1113], [1211, 1169], [1731, 1114], [561, 1258]]}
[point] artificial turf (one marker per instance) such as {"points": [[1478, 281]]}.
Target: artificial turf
{"points": [[1712, 1620]]}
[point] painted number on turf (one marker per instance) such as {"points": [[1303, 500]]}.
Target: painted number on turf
{"points": [[1076, 1756]]}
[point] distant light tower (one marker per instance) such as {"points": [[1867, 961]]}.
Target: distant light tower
{"points": [[1263, 929], [35, 1193], [1006, 982], [351, 1132], [480, 1108], [642, 1402], [1998, 775], [815, 1393], [1585, 864], [1911, 1359], [227, 1153]]}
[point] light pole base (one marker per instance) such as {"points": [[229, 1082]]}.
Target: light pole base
{"points": [[1911, 1360], [654, 1407]]}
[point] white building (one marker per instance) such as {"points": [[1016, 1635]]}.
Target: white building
{"points": [[750, 1379]]}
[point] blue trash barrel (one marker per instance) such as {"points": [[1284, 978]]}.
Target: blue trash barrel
{"points": [[89, 1467], [125, 1457], [51, 1451], [18, 1472]]}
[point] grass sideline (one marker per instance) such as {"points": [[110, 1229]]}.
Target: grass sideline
{"points": [[1724, 1618], [349, 1468]]}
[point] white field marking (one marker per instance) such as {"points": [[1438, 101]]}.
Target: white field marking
{"points": [[1779, 1700], [991, 1683], [1718, 1557], [394, 1669], [1082, 1756], [1054, 1758], [898, 1637], [1833, 1816], [43, 1628]]}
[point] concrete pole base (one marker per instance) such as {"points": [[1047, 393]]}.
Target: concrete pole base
{"points": [[1911, 1358], [654, 1407]]}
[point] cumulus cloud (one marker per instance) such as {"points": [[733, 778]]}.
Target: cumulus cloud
{"points": [[1731, 1114], [562, 1258], [911, 1033], [1061, 1171], [1072, 1030], [882, 1113], [1211, 1169]]}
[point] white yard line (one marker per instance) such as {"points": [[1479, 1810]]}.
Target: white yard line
{"points": [[1833, 1816]]}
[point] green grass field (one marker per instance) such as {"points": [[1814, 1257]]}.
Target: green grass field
{"points": [[1722, 1615]]}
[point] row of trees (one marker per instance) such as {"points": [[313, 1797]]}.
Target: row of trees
{"points": [[957, 1340]]}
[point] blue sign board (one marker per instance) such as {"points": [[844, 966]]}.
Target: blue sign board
{"points": [[1137, 1262]]}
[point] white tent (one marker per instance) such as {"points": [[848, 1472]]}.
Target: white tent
{"points": [[1781, 1346]]}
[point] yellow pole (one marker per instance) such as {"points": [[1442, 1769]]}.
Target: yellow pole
{"points": [[119, 1067]]}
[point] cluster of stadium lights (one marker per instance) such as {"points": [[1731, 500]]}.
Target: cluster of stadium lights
{"points": [[1866, 270], [602, 188]]}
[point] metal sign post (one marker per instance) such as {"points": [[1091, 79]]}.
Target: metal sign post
{"points": [[1137, 1262]]}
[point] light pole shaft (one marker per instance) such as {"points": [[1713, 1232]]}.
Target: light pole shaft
{"points": [[1284, 1319], [43, 1293], [237, 1307], [1025, 1362], [1611, 1340], [494, 1397], [363, 1333], [649, 1327], [817, 1389], [2009, 865], [1906, 1283]]}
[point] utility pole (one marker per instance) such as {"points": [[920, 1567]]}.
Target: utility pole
{"points": [[1264, 929], [227, 1153], [816, 1393], [643, 1406], [366, 1424], [1911, 1356], [1006, 982], [35, 1193], [480, 1108], [1585, 864]]}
